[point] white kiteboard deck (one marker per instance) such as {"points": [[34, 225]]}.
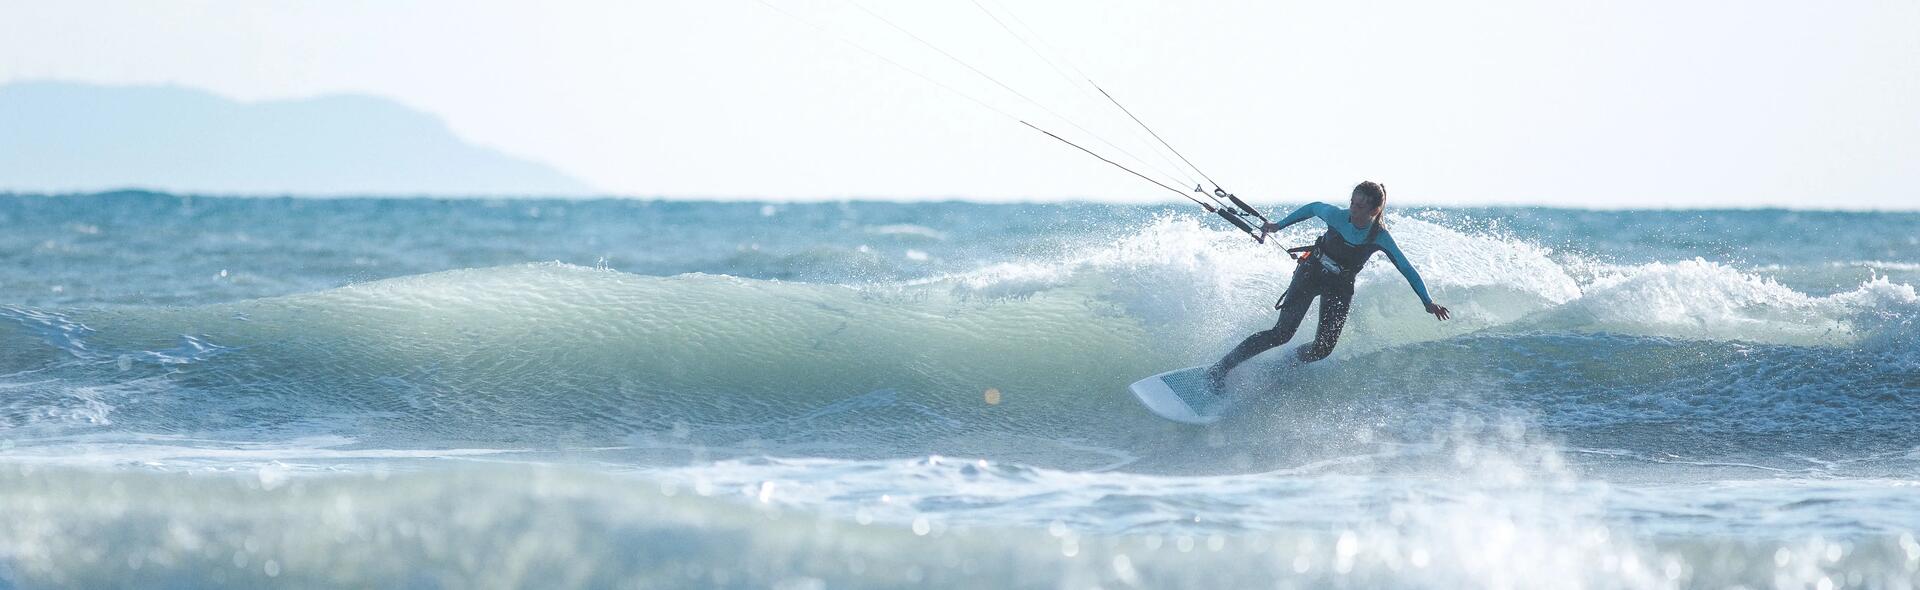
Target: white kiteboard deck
{"points": [[1181, 395]]}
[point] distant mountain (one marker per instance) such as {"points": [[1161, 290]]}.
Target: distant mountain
{"points": [[57, 136]]}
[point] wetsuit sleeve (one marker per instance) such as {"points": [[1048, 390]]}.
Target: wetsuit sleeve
{"points": [[1305, 212], [1406, 268]]}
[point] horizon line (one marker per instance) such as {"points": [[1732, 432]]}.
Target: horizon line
{"points": [[805, 200]]}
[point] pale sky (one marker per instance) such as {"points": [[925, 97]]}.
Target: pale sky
{"points": [[1580, 103]]}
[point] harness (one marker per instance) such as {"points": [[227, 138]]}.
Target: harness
{"points": [[1333, 255]]}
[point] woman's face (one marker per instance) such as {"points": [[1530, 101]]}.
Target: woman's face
{"points": [[1357, 204]]}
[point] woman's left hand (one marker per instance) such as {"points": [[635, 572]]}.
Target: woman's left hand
{"points": [[1438, 311]]}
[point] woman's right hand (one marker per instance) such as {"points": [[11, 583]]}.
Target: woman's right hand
{"points": [[1438, 311]]}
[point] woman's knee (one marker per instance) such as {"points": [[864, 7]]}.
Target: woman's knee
{"points": [[1273, 337]]}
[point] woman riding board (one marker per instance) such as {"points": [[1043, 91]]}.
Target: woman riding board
{"points": [[1327, 272]]}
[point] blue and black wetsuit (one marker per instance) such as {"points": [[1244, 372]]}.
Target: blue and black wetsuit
{"points": [[1327, 272]]}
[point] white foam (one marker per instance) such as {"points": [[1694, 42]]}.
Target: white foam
{"points": [[160, 451], [1699, 299], [1198, 288], [908, 229]]}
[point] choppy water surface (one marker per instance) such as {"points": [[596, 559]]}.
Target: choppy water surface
{"points": [[204, 392]]}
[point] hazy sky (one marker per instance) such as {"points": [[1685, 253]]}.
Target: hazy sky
{"points": [[1602, 103]]}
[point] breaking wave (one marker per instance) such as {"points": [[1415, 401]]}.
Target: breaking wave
{"points": [[1025, 360]]}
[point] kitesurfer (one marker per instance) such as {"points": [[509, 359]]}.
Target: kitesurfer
{"points": [[1327, 270]]}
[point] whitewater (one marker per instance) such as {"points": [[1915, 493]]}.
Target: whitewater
{"points": [[245, 392]]}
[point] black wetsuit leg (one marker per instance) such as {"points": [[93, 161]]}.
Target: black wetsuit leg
{"points": [[1334, 304], [1307, 284]]}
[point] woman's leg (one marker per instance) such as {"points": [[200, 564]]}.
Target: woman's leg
{"points": [[1333, 316], [1293, 309]]}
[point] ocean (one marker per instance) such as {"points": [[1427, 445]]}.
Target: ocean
{"points": [[208, 392]]}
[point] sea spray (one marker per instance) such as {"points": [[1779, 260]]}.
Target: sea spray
{"points": [[374, 392]]}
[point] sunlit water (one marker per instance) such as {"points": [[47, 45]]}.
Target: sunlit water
{"points": [[208, 392]]}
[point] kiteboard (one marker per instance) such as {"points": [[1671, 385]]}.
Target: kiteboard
{"points": [[1181, 395]]}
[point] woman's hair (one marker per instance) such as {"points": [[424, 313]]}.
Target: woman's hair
{"points": [[1373, 194]]}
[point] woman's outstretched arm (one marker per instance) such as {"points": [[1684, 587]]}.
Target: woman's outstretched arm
{"points": [[1413, 276], [1304, 213]]}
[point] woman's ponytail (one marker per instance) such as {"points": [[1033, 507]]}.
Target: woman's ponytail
{"points": [[1376, 194]]}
